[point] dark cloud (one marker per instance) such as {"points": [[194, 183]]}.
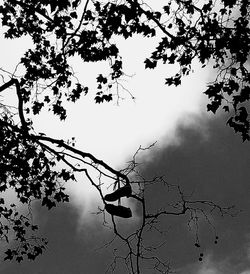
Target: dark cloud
{"points": [[217, 169], [214, 168]]}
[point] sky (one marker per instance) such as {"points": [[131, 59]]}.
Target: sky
{"points": [[194, 149], [220, 174]]}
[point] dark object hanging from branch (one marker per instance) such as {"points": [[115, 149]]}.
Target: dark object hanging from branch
{"points": [[120, 211], [124, 191]]}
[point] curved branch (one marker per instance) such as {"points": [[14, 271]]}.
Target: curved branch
{"points": [[61, 143], [152, 17], [15, 82], [79, 25]]}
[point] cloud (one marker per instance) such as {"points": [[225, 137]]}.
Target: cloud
{"points": [[207, 266], [210, 265]]}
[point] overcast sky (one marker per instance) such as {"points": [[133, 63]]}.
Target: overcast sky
{"points": [[194, 149], [216, 168]]}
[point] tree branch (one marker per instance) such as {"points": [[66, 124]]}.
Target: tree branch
{"points": [[25, 6], [152, 17], [79, 25], [15, 82], [83, 155]]}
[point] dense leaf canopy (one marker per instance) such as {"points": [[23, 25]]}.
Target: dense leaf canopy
{"points": [[216, 33], [213, 32]]}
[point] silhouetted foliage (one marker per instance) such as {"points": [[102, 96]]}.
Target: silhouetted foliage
{"points": [[213, 32]]}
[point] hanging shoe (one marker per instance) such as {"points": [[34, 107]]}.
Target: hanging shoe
{"points": [[124, 191], [120, 211]]}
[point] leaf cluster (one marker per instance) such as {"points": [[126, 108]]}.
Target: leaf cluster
{"points": [[27, 169], [209, 31]]}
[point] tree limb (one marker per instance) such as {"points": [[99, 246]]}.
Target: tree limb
{"points": [[15, 82]]}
